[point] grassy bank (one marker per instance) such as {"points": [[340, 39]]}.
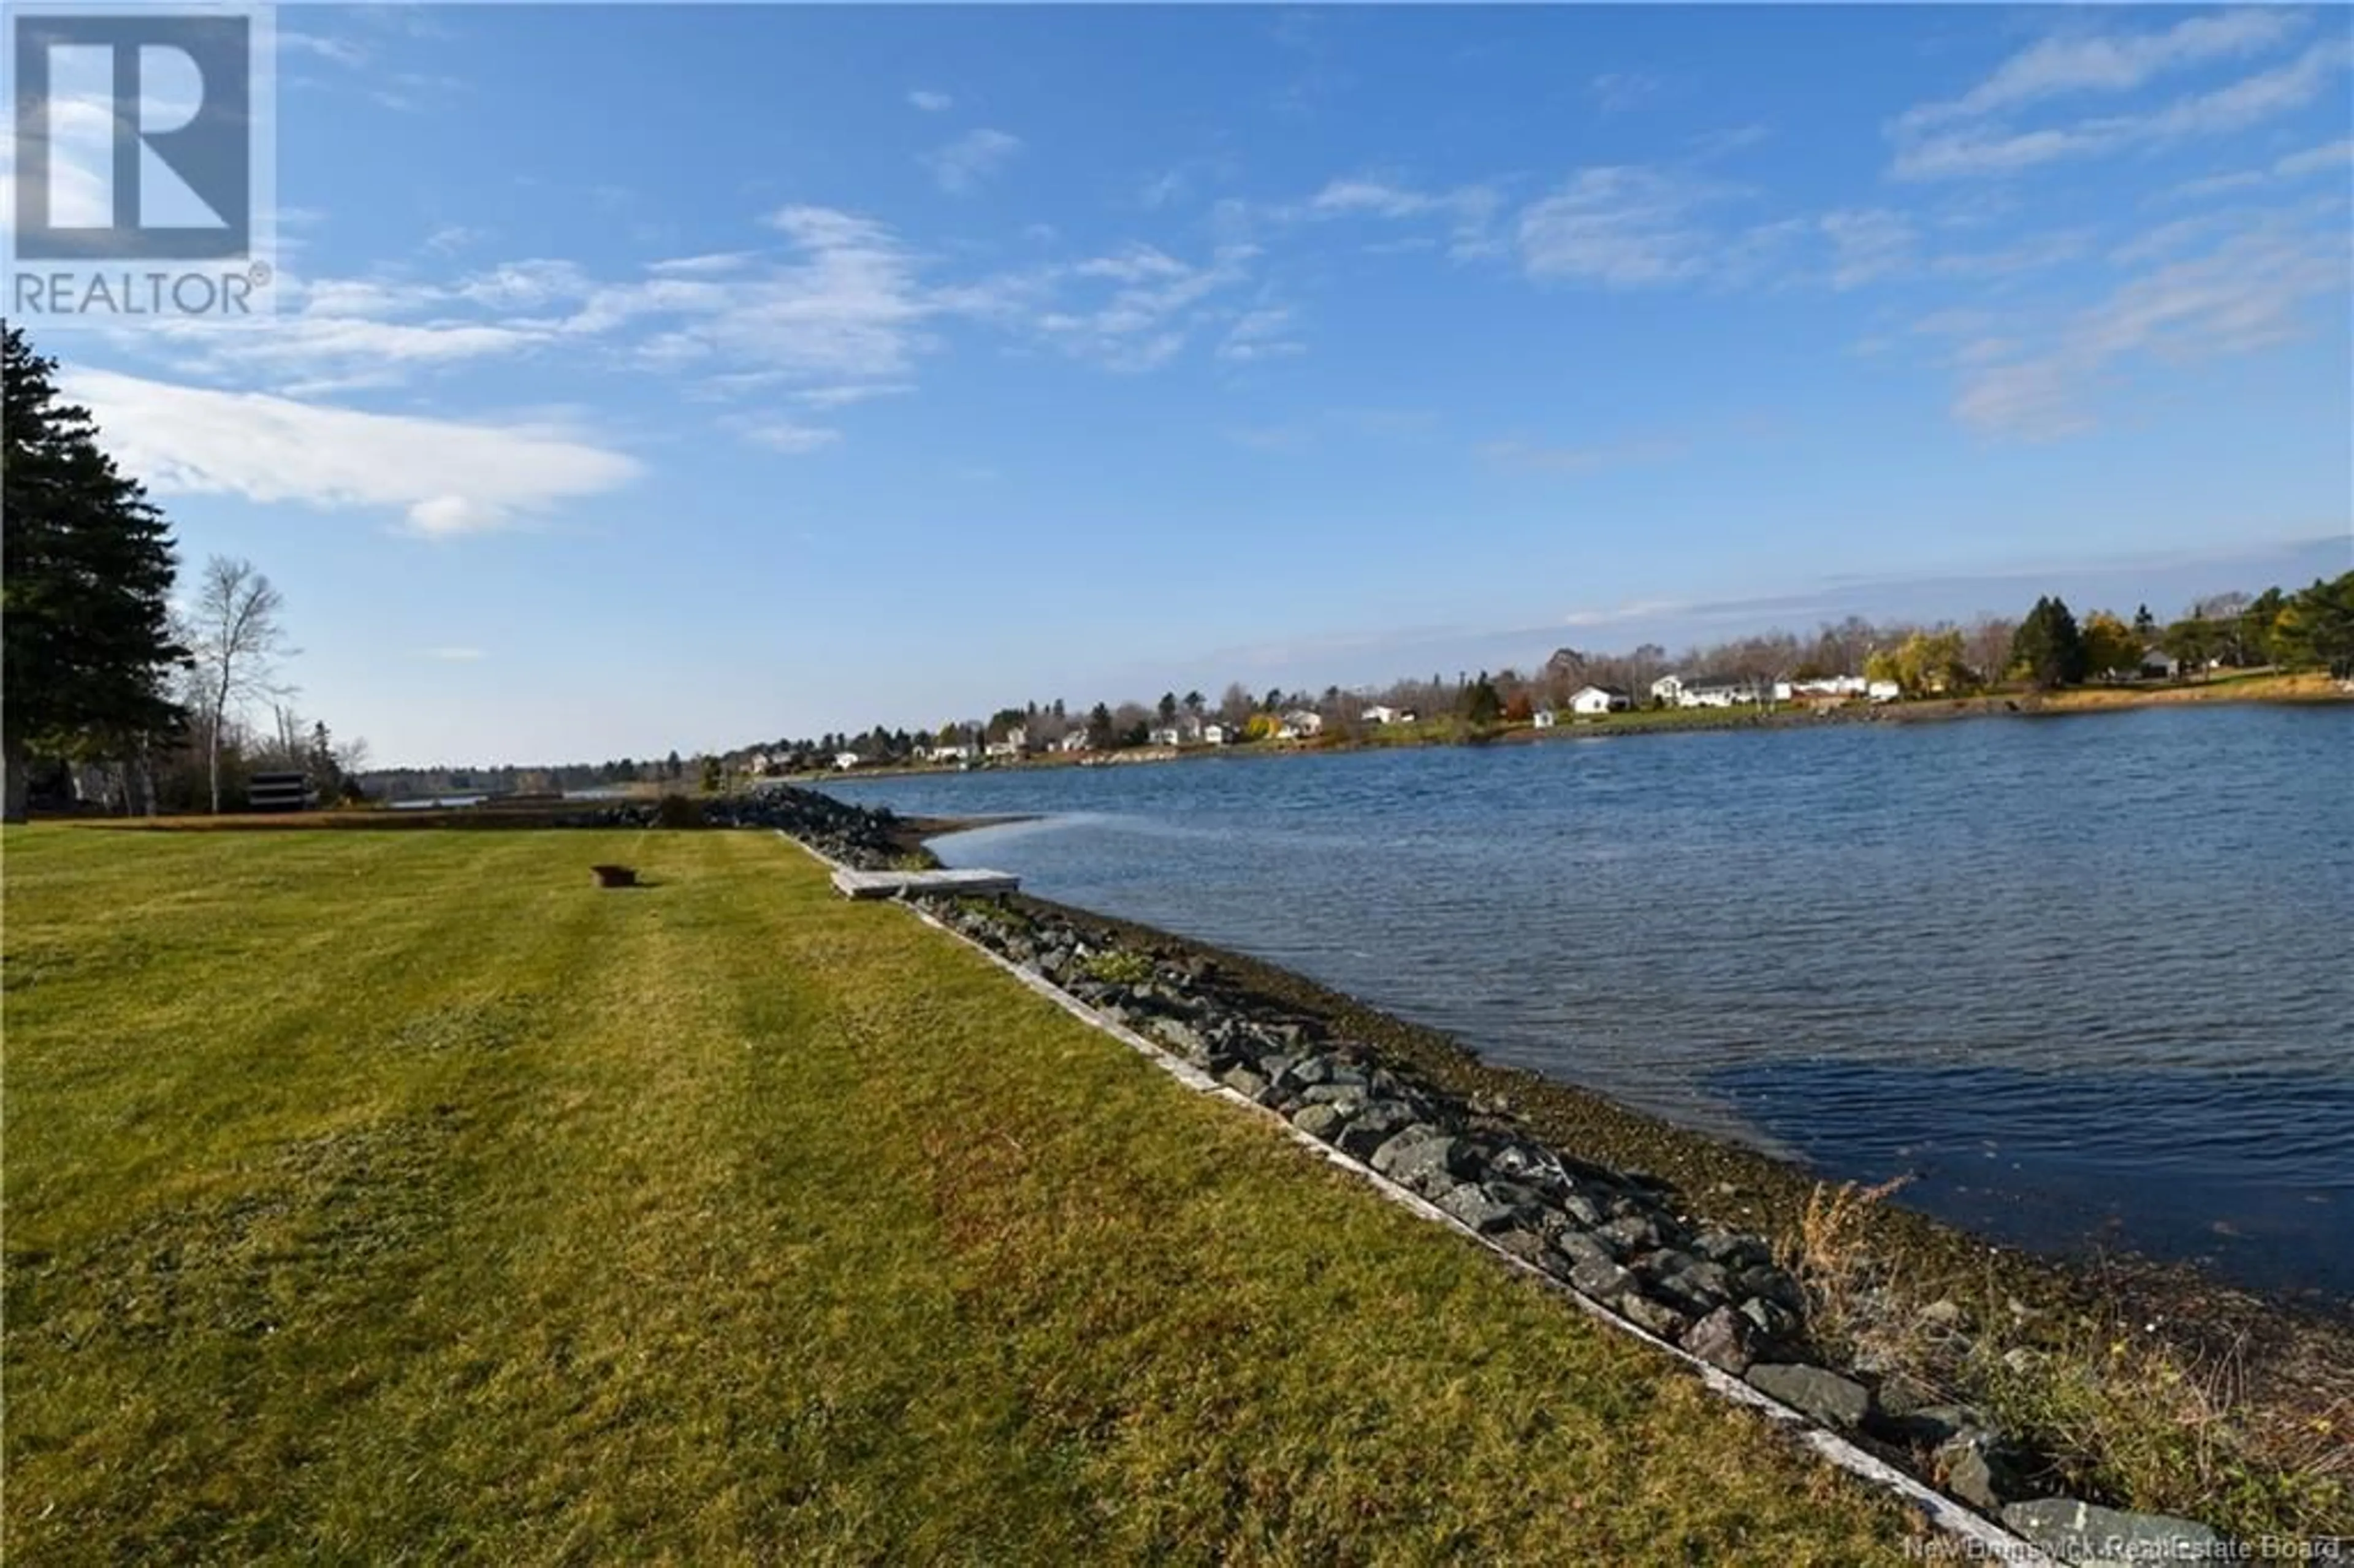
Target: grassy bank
{"points": [[377, 1195]]}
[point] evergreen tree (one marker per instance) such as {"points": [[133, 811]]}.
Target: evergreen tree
{"points": [[88, 574], [1481, 704], [2048, 645]]}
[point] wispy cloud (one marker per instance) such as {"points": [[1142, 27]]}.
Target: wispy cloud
{"points": [[454, 655], [2089, 63], [964, 165], [443, 477], [2327, 158], [1618, 90], [1263, 333], [788, 435], [2249, 292], [1625, 226], [931, 102], [1990, 150]]}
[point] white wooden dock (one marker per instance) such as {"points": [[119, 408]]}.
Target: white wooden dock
{"points": [[900, 884]]}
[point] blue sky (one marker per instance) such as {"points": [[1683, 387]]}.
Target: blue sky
{"points": [[649, 379]]}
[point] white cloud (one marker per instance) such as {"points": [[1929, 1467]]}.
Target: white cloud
{"points": [[2114, 63], [1993, 150], [1618, 90], [2324, 159], [1153, 309], [786, 436], [1624, 227], [1469, 211], [1868, 246], [2247, 293], [931, 102], [444, 476], [455, 655], [1263, 333], [965, 164]]}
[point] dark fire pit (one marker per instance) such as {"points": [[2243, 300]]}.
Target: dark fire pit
{"points": [[615, 876]]}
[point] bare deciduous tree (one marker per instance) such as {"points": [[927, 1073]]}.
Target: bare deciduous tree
{"points": [[238, 639]]}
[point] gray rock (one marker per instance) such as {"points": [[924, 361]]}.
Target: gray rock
{"points": [[1770, 1318], [1418, 1155], [1630, 1233], [1645, 1313], [1600, 1278], [1724, 1339], [1318, 1121], [2082, 1533], [1934, 1425], [1825, 1396], [1245, 1082], [1580, 1248], [1372, 1128], [1775, 1285], [1977, 1472], [1581, 1209], [1733, 1251], [1524, 1244], [1312, 1070], [1348, 1096], [1468, 1203], [1187, 1040]]}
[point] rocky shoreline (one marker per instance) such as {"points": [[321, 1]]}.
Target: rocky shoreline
{"points": [[1623, 1236]]}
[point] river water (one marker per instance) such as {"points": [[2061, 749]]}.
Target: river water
{"points": [[2089, 980]]}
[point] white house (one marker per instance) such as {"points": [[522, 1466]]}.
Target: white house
{"points": [[1670, 690], [1589, 701], [1541, 719], [1168, 734], [1381, 712], [1883, 691], [1213, 735], [843, 761], [1717, 691], [2157, 665], [1002, 749], [1018, 739], [1301, 723], [1823, 686], [1076, 740]]}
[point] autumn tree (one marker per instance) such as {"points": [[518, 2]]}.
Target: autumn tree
{"points": [[2111, 647]]}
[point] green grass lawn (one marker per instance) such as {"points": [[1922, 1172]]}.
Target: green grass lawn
{"points": [[400, 1196]]}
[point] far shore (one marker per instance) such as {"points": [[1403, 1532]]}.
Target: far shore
{"points": [[2312, 688]]}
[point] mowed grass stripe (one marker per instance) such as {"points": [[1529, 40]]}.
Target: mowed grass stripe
{"points": [[402, 1197]]}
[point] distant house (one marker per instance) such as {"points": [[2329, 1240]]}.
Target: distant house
{"points": [[1594, 701], [1541, 719], [1718, 692], [1018, 739], [1076, 740], [1825, 686], [2157, 664], [1301, 723], [1669, 691], [1883, 691], [1168, 734], [1002, 749], [1380, 712], [843, 761], [1213, 735]]}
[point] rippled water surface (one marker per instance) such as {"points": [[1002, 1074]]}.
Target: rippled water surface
{"points": [[2090, 980]]}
